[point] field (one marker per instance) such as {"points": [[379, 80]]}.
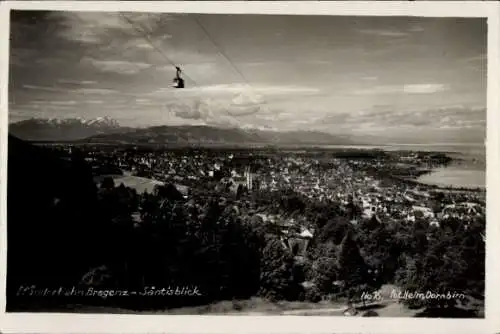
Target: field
{"points": [[140, 184]]}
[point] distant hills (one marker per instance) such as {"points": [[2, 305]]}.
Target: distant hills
{"points": [[63, 129], [106, 130], [201, 134]]}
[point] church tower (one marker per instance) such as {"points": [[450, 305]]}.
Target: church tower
{"points": [[248, 176]]}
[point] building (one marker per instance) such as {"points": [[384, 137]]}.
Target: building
{"points": [[249, 178], [237, 181]]}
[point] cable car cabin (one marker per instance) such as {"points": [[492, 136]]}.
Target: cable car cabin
{"points": [[178, 81]]}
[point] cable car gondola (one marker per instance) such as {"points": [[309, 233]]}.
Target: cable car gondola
{"points": [[178, 81]]}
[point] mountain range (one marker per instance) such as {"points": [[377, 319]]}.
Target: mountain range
{"points": [[107, 130], [63, 129]]}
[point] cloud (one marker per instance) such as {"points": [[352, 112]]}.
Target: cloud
{"points": [[76, 82], [119, 66], [379, 90], [22, 56], [235, 100], [84, 90], [193, 112], [262, 127], [100, 91], [49, 106], [408, 89], [93, 94], [38, 102], [229, 101], [308, 61], [144, 46], [45, 88], [245, 100], [424, 88], [416, 28], [231, 89], [242, 111], [112, 33], [387, 117], [202, 69], [212, 111], [63, 103], [383, 32], [151, 22], [479, 58], [91, 28], [53, 61], [144, 101]]}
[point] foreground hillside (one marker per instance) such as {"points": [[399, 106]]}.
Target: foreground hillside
{"points": [[51, 206]]}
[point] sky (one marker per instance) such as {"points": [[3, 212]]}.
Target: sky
{"points": [[406, 76]]}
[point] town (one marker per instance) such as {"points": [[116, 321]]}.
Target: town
{"points": [[381, 184]]}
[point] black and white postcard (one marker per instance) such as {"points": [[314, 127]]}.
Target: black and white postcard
{"points": [[176, 160]]}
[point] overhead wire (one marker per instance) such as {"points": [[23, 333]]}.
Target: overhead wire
{"points": [[222, 52], [147, 38], [144, 34], [84, 54]]}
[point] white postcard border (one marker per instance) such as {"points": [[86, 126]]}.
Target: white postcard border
{"points": [[100, 323]]}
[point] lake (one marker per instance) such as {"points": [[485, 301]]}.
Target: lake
{"points": [[468, 169], [455, 177]]}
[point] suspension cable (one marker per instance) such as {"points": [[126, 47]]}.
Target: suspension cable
{"points": [[143, 33], [222, 52]]}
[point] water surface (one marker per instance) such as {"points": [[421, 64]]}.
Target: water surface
{"points": [[455, 177]]}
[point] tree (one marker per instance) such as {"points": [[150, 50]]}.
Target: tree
{"points": [[108, 183], [240, 191], [334, 230], [473, 251], [449, 269], [380, 250], [276, 280], [352, 269], [324, 271]]}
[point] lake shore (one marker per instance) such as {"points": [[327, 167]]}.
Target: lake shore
{"points": [[454, 178]]}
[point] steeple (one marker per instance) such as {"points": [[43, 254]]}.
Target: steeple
{"points": [[248, 176]]}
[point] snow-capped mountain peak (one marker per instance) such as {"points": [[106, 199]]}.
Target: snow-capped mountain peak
{"points": [[63, 128], [99, 121], [103, 121]]}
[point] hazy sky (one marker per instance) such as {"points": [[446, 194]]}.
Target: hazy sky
{"points": [[338, 74]]}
